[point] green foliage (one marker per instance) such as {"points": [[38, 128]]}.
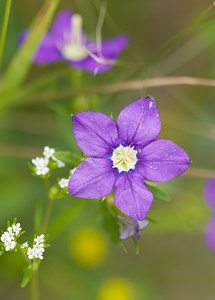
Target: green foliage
{"points": [[158, 193], [27, 275], [109, 222], [63, 220], [69, 158], [22, 61]]}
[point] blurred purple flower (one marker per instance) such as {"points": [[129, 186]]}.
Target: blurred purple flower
{"points": [[67, 41], [131, 228], [209, 195], [124, 154]]}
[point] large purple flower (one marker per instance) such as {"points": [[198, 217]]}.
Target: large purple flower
{"points": [[124, 154], [67, 41], [209, 195]]}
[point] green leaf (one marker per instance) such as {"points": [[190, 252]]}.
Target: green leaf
{"points": [[158, 193], [151, 220], [136, 246], [64, 121], [110, 222], [26, 276], [22, 61], [69, 158], [4, 28], [1, 252], [150, 183], [65, 218]]}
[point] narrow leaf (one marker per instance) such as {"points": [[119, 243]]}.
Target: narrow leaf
{"points": [[158, 193], [109, 222], [26, 276], [69, 158], [4, 28], [21, 63]]}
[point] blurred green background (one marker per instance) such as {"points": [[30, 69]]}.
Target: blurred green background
{"points": [[173, 262]]}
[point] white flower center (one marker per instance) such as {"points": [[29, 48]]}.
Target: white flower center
{"points": [[124, 158], [75, 50]]}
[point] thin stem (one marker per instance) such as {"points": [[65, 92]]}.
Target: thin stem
{"points": [[122, 86], [200, 173], [99, 28], [4, 28], [47, 210], [35, 282], [166, 47]]}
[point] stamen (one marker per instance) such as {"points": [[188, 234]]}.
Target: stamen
{"points": [[75, 49], [76, 28], [124, 158]]}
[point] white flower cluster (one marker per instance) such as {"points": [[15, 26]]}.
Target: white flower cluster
{"points": [[41, 163], [38, 248], [49, 152], [8, 237], [63, 182]]}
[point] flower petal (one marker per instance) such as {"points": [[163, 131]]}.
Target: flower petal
{"points": [[132, 196], [209, 192], [210, 235], [94, 178], [143, 224], [95, 133], [129, 222], [162, 160], [90, 65], [112, 47], [46, 51], [61, 27], [22, 37], [139, 123], [125, 232], [98, 62]]}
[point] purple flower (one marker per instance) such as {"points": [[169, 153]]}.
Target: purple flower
{"points": [[131, 228], [67, 41], [124, 154], [209, 195]]}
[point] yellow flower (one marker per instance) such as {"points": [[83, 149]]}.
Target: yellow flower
{"points": [[89, 247], [116, 289]]}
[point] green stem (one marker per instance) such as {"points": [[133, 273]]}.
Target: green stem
{"points": [[48, 209], [166, 47], [35, 282], [4, 28]]}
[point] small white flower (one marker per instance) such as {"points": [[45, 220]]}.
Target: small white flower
{"points": [[39, 247], [42, 170], [60, 164], [9, 245], [16, 228], [40, 161], [30, 253], [25, 245], [5, 237], [48, 152], [39, 239], [38, 250], [41, 164], [72, 171], [39, 254], [63, 183], [10, 233]]}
